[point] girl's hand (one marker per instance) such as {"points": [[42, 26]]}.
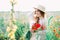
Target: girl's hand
{"points": [[43, 28]]}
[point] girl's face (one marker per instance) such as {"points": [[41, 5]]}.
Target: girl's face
{"points": [[37, 13]]}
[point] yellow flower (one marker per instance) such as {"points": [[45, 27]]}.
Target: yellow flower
{"points": [[12, 37], [14, 28], [51, 27], [13, 1], [8, 29], [57, 17], [10, 34]]}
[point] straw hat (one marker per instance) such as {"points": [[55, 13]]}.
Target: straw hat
{"points": [[40, 7]]}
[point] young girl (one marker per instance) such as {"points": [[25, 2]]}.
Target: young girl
{"points": [[38, 23]]}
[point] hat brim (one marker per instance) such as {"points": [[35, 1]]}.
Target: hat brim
{"points": [[39, 9]]}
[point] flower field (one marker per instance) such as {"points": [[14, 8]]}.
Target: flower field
{"points": [[17, 28]]}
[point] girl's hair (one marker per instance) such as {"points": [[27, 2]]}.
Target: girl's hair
{"points": [[42, 13], [37, 19]]}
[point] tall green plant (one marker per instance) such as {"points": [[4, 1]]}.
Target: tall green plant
{"points": [[21, 30]]}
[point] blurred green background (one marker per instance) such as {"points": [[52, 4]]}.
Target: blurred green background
{"points": [[22, 23]]}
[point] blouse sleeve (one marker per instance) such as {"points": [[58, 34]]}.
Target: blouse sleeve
{"points": [[43, 23], [31, 23]]}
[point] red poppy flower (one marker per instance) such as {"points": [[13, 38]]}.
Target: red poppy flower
{"points": [[35, 26]]}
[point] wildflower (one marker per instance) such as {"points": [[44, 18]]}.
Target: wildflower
{"points": [[57, 35], [14, 28], [35, 26], [10, 34], [8, 29], [54, 30], [51, 27], [59, 29]]}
